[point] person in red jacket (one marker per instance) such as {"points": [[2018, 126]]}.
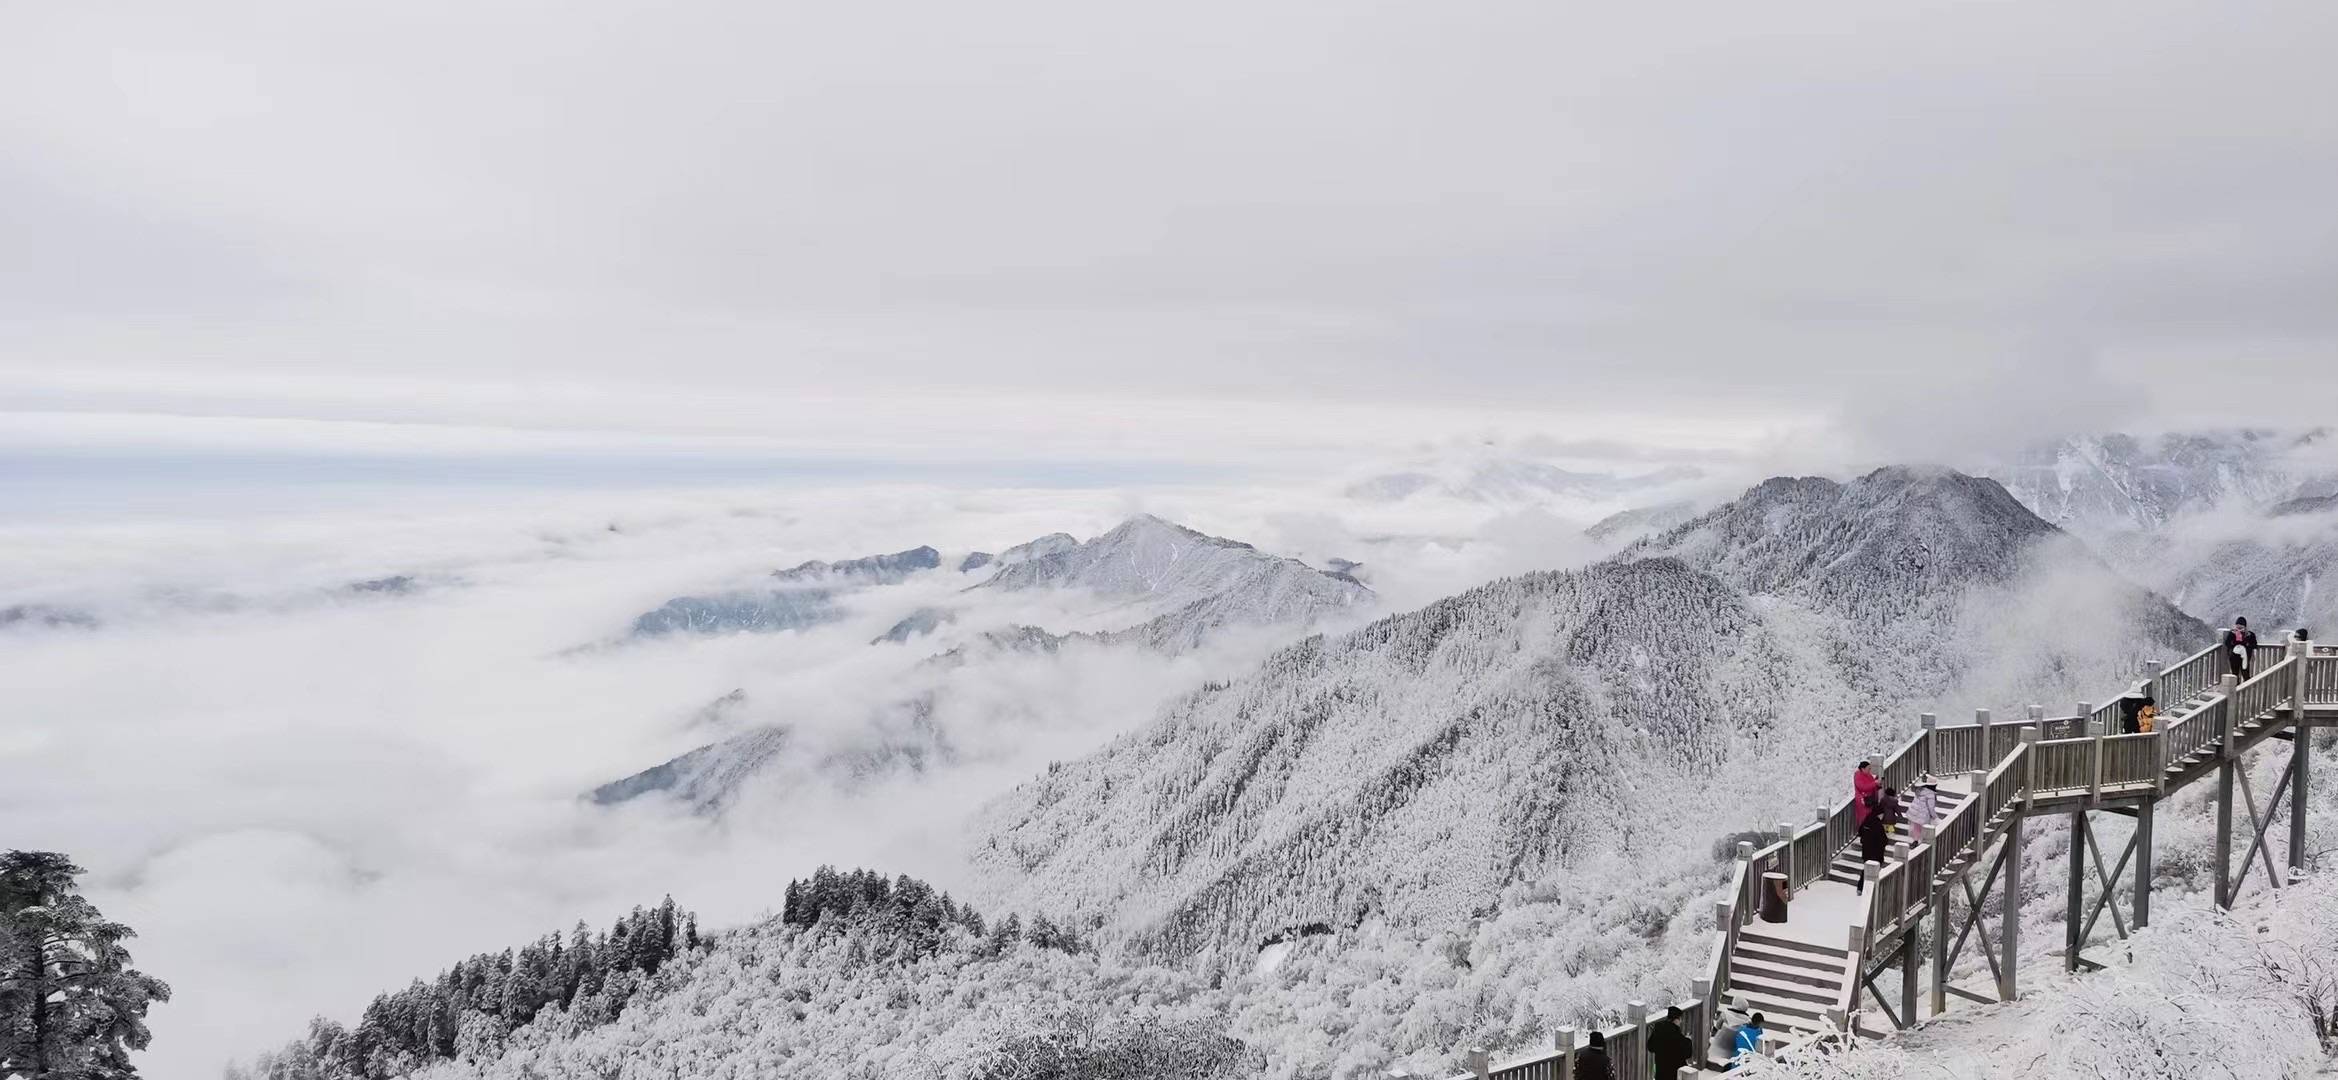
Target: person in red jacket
{"points": [[1863, 788]]}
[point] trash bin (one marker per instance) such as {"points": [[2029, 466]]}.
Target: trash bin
{"points": [[1774, 897]]}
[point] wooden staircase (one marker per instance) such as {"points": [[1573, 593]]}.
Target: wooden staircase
{"points": [[1846, 869], [1791, 983]]}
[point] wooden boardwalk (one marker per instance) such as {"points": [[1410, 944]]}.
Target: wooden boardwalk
{"points": [[1815, 977]]}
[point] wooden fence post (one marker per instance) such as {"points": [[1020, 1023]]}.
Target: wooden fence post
{"points": [[1478, 1065], [1566, 1048], [2094, 787], [2301, 652], [2231, 715], [1636, 1013], [1701, 1018]]}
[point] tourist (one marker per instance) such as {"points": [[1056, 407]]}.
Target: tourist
{"points": [[1874, 840], [2147, 717], [1734, 1015], [1591, 1061], [1863, 786], [1749, 1040], [1668, 1046], [2237, 642], [1924, 810]]}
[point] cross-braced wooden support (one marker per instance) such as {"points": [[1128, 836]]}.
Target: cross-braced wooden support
{"points": [[2229, 878], [1906, 954], [2002, 876], [2086, 853]]}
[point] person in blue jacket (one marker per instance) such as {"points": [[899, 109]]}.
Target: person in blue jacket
{"points": [[1749, 1037]]}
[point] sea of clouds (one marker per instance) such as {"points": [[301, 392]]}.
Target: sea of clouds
{"points": [[303, 793]]}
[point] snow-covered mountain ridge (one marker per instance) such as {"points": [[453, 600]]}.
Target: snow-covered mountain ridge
{"points": [[1415, 769], [1149, 583]]}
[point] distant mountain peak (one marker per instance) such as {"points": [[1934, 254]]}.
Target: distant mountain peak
{"points": [[1188, 582], [2102, 484], [867, 570]]}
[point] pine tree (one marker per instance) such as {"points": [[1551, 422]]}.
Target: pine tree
{"points": [[70, 1003]]}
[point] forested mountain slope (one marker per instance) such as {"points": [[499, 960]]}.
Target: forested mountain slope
{"points": [[1716, 678]]}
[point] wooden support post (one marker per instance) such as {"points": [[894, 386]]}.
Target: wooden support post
{"points": [[1786, 854], [2224, 785], [2077, 908], [1687, 1072], [1478, 1065], [2300, 759], [2154, 670], [1940, 954], [2232, 718], [1925, 754], [2009, 925], [1981, 720], [1566, 1049], [2143, 862], [1909, 936], [1701, 1020]]}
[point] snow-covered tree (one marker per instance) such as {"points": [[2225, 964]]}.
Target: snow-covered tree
{"points": [[71, 1006]]}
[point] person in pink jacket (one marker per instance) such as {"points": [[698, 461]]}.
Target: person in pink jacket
{"points": [[1863, 788]]}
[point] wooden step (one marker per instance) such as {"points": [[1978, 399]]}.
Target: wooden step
{"points": [[1781, 1011], [1779, 971], [1817, 997], [1788, 945], [1780, 958]]}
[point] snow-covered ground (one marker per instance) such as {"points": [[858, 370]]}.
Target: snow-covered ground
{"points": [[2247, 995]]}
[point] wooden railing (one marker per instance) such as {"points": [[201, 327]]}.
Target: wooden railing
{"points": [[2192, 731], [2131, 761], [2064, 765], [2190, 677], [1957, 749], [2321, 680], [2270, 688]]}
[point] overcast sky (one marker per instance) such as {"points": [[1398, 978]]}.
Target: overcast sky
{"points": [[1027, 226]]}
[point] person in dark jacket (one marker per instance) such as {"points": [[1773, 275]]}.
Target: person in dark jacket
{"points": [[1874, 838], [1591, 1061], [2237, 642], [1669, 1046]]}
